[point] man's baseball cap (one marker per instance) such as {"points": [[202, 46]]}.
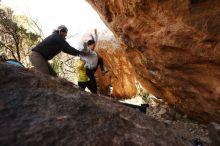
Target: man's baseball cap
{"points": [[62, 28]]}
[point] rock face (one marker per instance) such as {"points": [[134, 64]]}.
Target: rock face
{"points": [[214, 132], [121, 75], [174, 48], [36, 109]]}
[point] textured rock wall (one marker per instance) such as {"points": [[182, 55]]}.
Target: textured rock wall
{"points": [[121, 75], [174, 48], [37, 109]]}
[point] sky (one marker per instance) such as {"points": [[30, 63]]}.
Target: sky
{"points": [[77, 15]]}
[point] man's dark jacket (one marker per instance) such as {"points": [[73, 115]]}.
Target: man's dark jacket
{"points": [[53, 45]]}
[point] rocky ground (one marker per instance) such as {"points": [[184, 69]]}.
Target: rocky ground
{"points": [[189, 130]]}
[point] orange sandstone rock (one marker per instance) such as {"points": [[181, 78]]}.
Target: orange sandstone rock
{"points": [[174, 48]]}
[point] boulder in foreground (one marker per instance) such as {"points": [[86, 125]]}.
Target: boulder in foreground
{"points": [[36, 109]]}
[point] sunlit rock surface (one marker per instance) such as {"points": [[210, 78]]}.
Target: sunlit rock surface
{"points": [[120, 75], [173, 47]]}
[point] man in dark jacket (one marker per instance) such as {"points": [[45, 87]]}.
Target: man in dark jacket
{"points": [[50, 47]]}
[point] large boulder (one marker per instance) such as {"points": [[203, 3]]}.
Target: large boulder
{"points": [[174, 47], [37, 109], [120, 75]]}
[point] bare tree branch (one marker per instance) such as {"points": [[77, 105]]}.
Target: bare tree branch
{"points": [[6, 47]]}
